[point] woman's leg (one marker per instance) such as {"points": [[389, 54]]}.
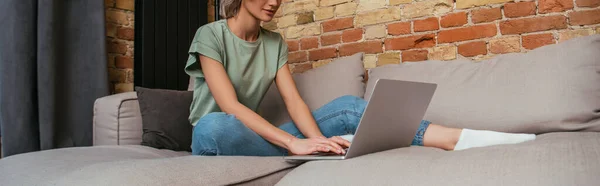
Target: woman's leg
{"points": [[342, 115], [336, 118], [222, 134]]}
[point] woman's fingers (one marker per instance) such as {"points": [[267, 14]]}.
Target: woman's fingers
{"points": [[322, 148], [335, 147], [341, 141]]}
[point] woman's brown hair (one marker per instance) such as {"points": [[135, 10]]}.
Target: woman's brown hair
{"points": [[230, 8]]}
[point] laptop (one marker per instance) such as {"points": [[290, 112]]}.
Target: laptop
{"points": [[390, 120]]}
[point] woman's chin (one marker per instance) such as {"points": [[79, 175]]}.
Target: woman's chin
{"points": [[266, 18]]}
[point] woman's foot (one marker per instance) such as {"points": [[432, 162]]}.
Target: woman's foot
{"points": [[459, 139], [481, 138]]}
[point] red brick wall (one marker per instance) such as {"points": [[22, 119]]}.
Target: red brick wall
{"points": [[389, 31], [119, 40], [395, 31]]}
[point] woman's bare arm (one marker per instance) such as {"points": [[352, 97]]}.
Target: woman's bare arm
{"points": [[299, 111], [222, 90]]}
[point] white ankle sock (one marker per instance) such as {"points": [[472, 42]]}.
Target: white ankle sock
{"points": [[480, 138]]}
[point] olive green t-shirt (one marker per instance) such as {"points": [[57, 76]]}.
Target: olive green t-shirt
{"points": [[251, 66]]}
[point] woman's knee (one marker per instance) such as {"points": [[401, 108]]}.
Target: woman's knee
{"points": [[207, 132], [350, 101]]}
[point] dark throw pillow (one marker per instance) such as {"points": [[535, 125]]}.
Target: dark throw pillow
{"points": [[165, 118]]}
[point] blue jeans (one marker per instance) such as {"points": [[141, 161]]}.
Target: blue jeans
{"points": [[222, 134]]}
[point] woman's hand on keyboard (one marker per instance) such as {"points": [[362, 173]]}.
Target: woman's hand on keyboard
{"points": [[318, 144]]}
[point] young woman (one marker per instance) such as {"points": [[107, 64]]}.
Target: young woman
{"points": [[234, 61]]}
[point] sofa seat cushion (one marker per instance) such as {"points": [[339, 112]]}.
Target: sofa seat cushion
{"points": [[46, 167], [551, 159], [137, 165]]}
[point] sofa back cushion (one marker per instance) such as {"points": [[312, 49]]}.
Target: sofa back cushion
{"points": [[553, 88], [342, 76]]}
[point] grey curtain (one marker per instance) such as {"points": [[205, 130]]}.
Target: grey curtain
{"points": [[52, 68]]}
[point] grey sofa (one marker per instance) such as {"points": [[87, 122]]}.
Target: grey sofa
{"points": [[553, 91]]}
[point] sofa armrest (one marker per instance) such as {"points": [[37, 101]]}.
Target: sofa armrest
{"points": [[117, 120]]}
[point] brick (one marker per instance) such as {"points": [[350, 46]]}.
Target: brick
{"points": [[321, 63], [322, 53], [117, 47], [110, 61], [367, 5], [117, 75], [505, 45], [117, 17], [460, 4], [293, 45], [426, 24], [286, 21], [271, 25], [278, 13], [332, 2], [454, 19], [331, 39], [338, 24], [309, 43], [368, 47], [211, 13], [472, 49], [126, 4], [300, 68], [519, 9], [426, 8], [306, 17], [346, 9], [303, 30], [370, 61], [324, 13], [589, 17], [535, 24], [537, 40], [130, 76], [124, 62], [123, 87], [547, 6], [403, 43], [414, 55], [467, 33], [299, 6], [486, 15], [378, 16], [352, 35], [111, 30], [374, 32], [297, 57], [125, 33], [587, 3], [109, 3], [398, 2], [447, 52], [388, 58], [399, 28], [570, 34]]}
